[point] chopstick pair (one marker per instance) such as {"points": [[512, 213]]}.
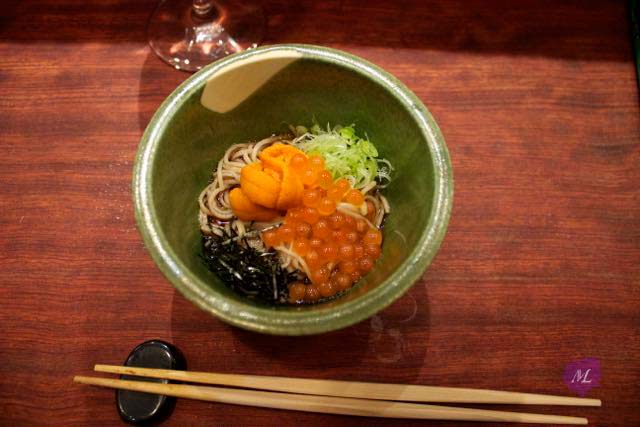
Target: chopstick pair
{"points": [[340, 397]]}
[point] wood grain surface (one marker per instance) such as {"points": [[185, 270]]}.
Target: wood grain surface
{"points": [[538, 102]]}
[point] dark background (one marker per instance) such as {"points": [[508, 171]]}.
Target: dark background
{"points": [[538, 102]]}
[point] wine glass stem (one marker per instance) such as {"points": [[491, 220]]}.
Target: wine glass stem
{"points": [[202, 8]]}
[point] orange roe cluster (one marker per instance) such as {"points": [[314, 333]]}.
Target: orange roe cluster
{"points": [[337, 248]]}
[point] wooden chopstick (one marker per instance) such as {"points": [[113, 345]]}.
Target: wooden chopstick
{"points": [[327, 405], [378, 391]]}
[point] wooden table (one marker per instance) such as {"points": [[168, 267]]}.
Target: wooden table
{"points": [[538, 102]]}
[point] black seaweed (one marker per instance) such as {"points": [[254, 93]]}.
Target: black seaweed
{"points": [[245, 270]]}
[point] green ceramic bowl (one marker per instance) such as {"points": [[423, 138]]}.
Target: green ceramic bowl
{"points": [[251, 95]]}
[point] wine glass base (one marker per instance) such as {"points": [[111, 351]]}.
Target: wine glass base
{"points": [[189, 41]]}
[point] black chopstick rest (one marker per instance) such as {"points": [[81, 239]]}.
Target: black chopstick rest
{"points": [[144, 408]]}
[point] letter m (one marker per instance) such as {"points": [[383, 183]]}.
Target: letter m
{"points": [[581, 379]]}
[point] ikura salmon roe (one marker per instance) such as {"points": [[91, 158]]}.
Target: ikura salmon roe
{"points": [[358, 250], [311, 293], [310, 216], [354, 197], [349, 222], [309, 177], [324, 179], [371, 210], [337, 248], [301, 247], [315, 242], [298, 162], [316, 162], [336, 220], [338, 236], [296, 292], [294, 215], [365, 264], [372, 236], [342, 281], [270, 238], [329, 251], [335, 194], [338, 190], [321, 229], [311, 198], [351, 236], [313, 259], [286, 233], [320, 275], [303, 230], [327, 289], [345, 252], [343, 185], [372, 250], [326, 206], [348, 267]]}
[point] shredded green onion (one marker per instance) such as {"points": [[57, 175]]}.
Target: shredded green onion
{"points": [[346, 155]]}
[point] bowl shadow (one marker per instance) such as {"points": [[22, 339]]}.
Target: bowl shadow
{"points": [[388, 347], [157, 81]]}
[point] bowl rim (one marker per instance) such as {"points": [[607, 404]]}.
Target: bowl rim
{"points": [[264, 319]]}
